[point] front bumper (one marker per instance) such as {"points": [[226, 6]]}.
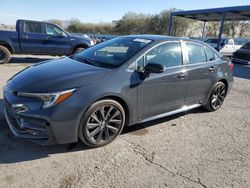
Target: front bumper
{"points": [[55, 125], [34, 129]]}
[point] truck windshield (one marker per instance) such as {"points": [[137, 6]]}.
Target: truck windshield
{"points": [[112, 53]]}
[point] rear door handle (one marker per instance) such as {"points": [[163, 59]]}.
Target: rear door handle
{"points": [[183, 75], [211, 69]]}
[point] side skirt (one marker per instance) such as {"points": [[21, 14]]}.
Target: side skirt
{"points": [[183, 109]]}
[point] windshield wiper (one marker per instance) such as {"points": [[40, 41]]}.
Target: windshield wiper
{"points": [[92, 62]]}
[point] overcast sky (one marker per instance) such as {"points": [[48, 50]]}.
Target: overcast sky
{"points": [[97, 10]]}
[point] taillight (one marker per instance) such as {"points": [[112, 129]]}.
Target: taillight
{"points": [[231, 66]]}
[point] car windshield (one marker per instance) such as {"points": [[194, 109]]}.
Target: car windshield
{"points": [[112, 53]]}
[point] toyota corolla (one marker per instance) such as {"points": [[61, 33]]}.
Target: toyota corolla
{"points": [[128, 80]]}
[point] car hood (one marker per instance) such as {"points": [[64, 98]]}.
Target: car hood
{"points": [[78, 38], [56, 75]]}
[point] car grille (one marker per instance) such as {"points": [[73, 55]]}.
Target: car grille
{"points": [[12, 118], [31, 131]]}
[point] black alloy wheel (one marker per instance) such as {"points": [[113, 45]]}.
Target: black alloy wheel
{"points": [[102, 123]]}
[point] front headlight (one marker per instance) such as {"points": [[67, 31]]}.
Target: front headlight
{"points": [[92, 43], [49, 99]]}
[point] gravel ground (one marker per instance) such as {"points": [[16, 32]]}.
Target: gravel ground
{"points": [[193, 149]]}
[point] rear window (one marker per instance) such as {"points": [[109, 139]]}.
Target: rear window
{"points": [[32, 27], [196, 53]]}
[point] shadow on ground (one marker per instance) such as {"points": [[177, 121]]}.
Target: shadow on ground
{"points": [[242, 71], [13, 150]]}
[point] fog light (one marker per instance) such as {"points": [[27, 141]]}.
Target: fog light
{"points": [[19, 107]]}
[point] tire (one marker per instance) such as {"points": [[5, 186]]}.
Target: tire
{"points": [[5, 55], [217, 97], [102, 123], [79, 49]]}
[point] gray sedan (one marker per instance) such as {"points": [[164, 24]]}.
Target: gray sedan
{"points": [[93, 94]]}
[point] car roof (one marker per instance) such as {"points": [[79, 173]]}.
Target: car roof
{"points": [[155, 37], [161, 38]]}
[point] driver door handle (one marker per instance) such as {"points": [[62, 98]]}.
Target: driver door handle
{"points": [[25, 36], [182, 75], [211, 69]]}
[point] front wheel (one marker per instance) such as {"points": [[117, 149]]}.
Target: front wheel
{"points": [[102, 123], [79, 49], [216, 97]]}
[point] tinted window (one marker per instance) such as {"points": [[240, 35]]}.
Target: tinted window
{"points": [[53, 30], [211, 56], [168, 54], [32, 27], [196, 53], [114, 52]]}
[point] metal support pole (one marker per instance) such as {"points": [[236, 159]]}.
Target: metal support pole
{"points": [[170, 23], [221, 30], [203, 30]]}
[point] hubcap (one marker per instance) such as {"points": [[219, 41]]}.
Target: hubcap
{"points": [[104, 124], [218, 96]]}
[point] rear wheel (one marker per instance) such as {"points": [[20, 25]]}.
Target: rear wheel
{"points": [[4, 55], [102, 123], [216, 97]]}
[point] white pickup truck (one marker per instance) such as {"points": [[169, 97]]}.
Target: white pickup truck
{"points": [[227, 46]]}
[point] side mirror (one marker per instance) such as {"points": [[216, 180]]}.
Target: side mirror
{"points": [[154, 68]]}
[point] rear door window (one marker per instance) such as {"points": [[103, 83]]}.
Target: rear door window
{"points": [[196, 53], [32, 27]]}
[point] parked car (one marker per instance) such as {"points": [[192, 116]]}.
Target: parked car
{"points": [[133, 79], [242, 55], [214, 41], [227, 46], [39, 38]]}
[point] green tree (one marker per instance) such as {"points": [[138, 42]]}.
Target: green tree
{"points": [[57, 22]]}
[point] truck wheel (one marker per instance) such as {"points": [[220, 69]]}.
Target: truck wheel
{"points": [[4, 55], [79, 49]]}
